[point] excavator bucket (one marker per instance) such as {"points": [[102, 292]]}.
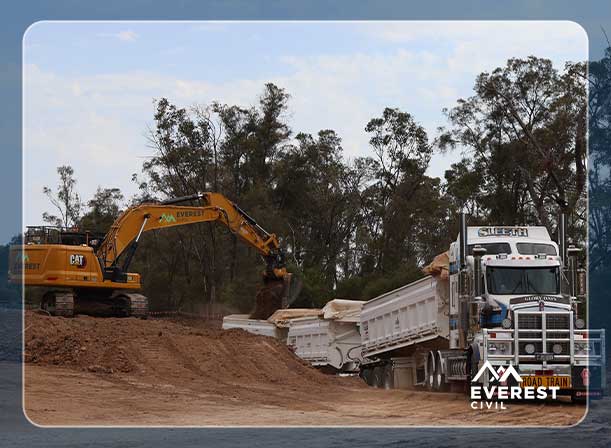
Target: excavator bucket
{"points": [[274, 295]]}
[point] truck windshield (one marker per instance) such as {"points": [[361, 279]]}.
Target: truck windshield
{"points": [[491, 248], [536, 248], [523, 280]]}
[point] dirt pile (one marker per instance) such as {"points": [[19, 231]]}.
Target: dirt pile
{"points": [[166, 352]]}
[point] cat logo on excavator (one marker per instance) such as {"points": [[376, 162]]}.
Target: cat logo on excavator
{"points": [[78, 260]]}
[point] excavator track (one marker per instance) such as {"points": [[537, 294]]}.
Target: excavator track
{"points": [[138, 305], [59, 303]]}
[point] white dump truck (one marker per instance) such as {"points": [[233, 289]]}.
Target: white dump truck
{"points": [[505, 313]]}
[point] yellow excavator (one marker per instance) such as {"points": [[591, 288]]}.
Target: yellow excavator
{"points": [[84, 274]]}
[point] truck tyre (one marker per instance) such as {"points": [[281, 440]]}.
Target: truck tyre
{"points": [[388, 377], [377, 379], [430, 372], [440, 378], [365, 374]]}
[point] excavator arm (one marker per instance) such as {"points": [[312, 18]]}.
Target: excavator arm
{"points": [[121, 241]]}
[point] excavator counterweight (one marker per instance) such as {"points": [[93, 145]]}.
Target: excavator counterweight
{"points": [[82, 272]]}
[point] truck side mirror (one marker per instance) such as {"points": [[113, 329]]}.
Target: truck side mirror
{"points": [[478, 253], [573, 252], [581, 283], [464, 281]]}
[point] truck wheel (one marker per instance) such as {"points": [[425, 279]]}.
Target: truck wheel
{"points": [[389, 377], [440, 379], [377, 379], [365, 374], [430, 372]]}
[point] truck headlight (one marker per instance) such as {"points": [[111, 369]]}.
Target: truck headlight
{"points": [[506, 324], [504, 347], [557, 349], [583, 348], [501, 347], [529, 348], [580, 324]]}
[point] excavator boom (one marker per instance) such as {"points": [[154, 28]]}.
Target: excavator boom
{"points": [[130, 225]]}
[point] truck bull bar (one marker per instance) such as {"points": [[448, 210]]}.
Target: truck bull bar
{"points": [[544, 337]]}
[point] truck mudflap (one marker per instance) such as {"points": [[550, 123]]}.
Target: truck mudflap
{"points": [[588, 381]]}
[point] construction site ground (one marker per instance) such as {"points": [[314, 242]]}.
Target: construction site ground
{"points": [[108, 371]]}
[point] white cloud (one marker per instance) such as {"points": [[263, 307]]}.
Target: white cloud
{"points": [[487, 43], [125, 35], [97, 123]]}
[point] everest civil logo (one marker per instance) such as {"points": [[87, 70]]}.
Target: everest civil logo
{"points": [[489, 392], [167, 219], [501, 374]]}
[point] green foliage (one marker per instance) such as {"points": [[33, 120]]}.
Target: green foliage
{"points": [[600, 164], [525, 129], [104, 208]]}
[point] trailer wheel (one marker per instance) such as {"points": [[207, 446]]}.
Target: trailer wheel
{"points": [[365, 375], [389, 377], [440, 378], [430, 372], [377, 379]]}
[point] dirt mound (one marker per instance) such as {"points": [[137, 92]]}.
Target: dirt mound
{"points": [[167, 353]]}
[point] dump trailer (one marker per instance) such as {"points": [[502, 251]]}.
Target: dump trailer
{"points": [[506, 316], [275, 326], [399, 328], [327, 338], [332, 340], [255, 326]]}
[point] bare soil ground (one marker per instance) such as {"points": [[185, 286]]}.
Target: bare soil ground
{"points": [[93, 371]]}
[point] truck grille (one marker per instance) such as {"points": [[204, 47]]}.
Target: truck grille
{"points": [[533, 321], [530, 321], [552, 322], [557, 322]]}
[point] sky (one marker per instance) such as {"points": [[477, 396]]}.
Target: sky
{"points": [[89, 87]]}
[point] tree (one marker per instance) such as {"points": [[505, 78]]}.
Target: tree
{"points": [[104, 208], [402, 154], [319, 196], [220, 148], [66, 200], [600, 163], [525, 128]]}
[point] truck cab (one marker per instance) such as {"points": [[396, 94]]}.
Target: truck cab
{"points": [[518, 261], [514, 302]]}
